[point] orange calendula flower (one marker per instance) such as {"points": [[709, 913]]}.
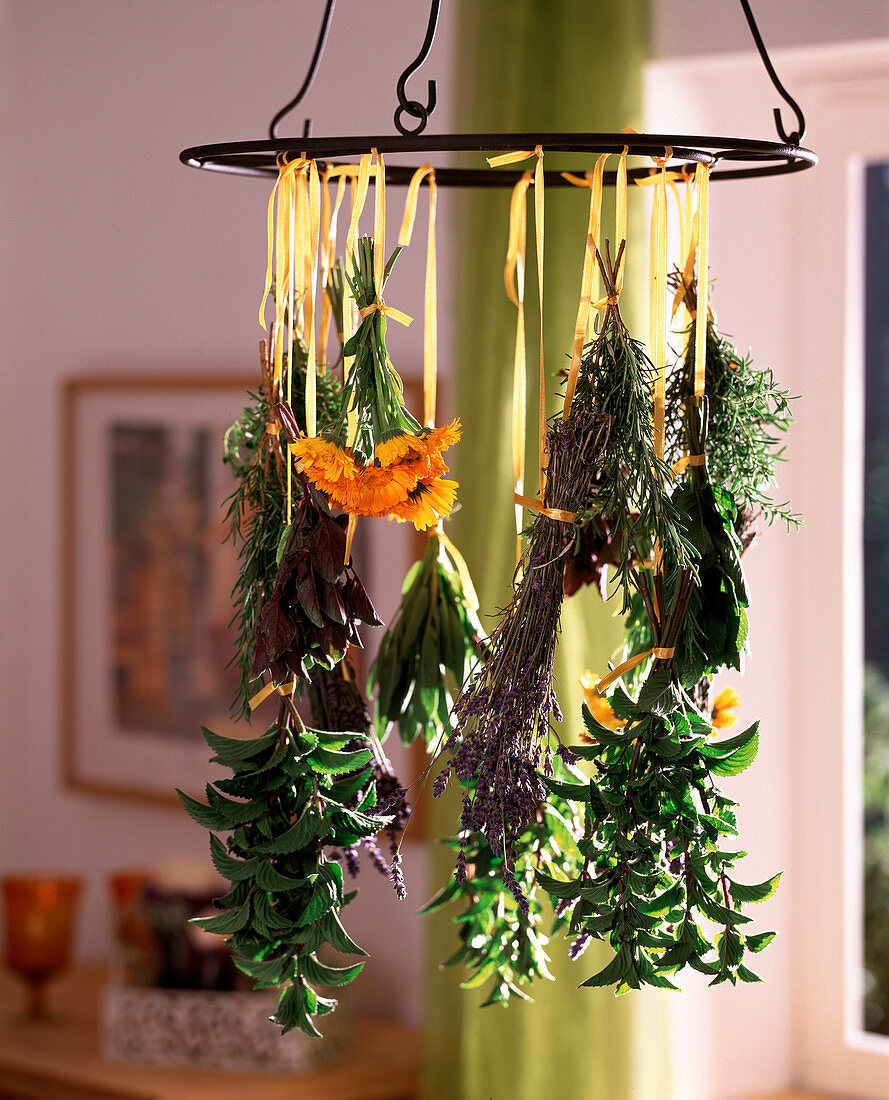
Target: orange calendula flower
{"points": [[427, 503], [380, 489], [330, 467], [723, 715], [400, 447], [598, 705], [439, 439]]}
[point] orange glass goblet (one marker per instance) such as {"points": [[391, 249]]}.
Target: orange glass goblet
{"points": [[39, 912]]}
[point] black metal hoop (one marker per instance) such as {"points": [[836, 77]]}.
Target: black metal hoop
{"points": [[730, 158]]}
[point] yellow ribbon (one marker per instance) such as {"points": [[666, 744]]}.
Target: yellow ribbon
{"points": [[459, 561], [660, 652], [658, 300], [539, 506], [594, 182], [351, 527], [358, 198], [269, 689], [430, 295], [702, 183], [513, 158], [314, 219], [688, 460], [387, 311], [620, 216], [329, 219], [514, 278]]}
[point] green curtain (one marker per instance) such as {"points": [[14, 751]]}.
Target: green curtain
{"points": [[525, 65]]}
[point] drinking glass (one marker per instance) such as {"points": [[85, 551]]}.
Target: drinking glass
{"points": [[39, 912]]}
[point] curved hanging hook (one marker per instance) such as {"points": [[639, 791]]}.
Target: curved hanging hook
{"points": [[797, 136], [411, 106], [310, 77]]}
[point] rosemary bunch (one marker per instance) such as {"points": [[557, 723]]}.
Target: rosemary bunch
{"points": [[748, 415], [427, 649], [294, 792], [633, 487]]}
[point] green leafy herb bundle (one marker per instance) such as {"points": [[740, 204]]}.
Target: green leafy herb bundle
{"points": [[650, 862], [427, 649], [633, 486], [501, 940], [294, 792], [655, 869]]}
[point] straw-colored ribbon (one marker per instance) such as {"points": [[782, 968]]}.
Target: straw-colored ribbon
{"points": [[539, 506], [514, 158], [514, 278], [269, 689], [358, 198], [594, 182], [662, 653], [688, 460], [702, 185], [430, 295], [657, 318]]}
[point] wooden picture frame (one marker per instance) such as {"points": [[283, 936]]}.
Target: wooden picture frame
{"points": [[145, 581]]}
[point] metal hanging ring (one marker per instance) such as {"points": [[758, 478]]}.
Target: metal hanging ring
{"points": [[411, 106], [415, 110]]}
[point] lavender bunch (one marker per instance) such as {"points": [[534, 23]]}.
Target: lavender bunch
{"points": [[503, 718]]}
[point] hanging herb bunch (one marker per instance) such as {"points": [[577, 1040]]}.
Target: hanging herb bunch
{"points": [[653, 871], [502, 721], [301, 802], [433, 641], [389, 465]]}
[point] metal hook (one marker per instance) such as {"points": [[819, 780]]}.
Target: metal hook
{"points": [[411, 106], [797, 136], [310, 76]]}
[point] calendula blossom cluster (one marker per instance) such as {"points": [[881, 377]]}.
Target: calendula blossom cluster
{"points": [[404, 481]]}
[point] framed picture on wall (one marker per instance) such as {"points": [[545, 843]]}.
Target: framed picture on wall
{"points": [[146, 582]]}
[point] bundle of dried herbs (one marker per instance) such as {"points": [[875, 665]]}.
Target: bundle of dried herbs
{"points": [[312, 613], [653, 873], [386, 464], [650, 864], [427, 650], [748, 416], [256, 507], [337, 704], [601, 459], [503, 719], [294, 793]]}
